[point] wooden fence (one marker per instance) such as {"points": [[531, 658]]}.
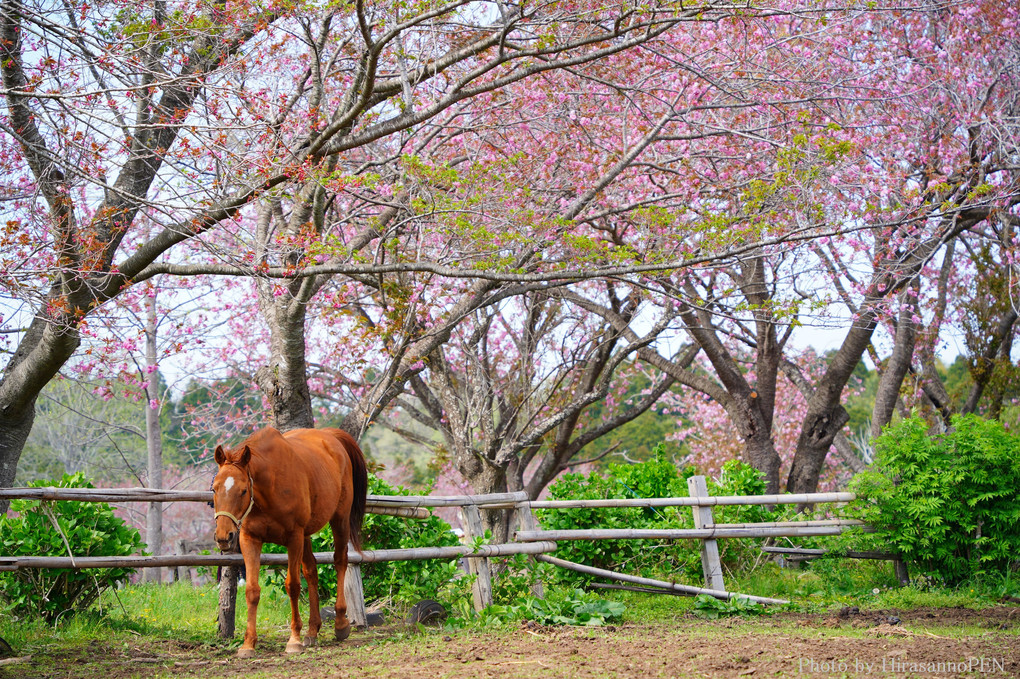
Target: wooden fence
{"points": [[528, 538]]}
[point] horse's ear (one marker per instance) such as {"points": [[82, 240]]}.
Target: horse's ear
{"points": [[245, 456], [219, 456]]}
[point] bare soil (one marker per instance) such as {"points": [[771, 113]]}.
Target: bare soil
{"points": [[917, 643]]}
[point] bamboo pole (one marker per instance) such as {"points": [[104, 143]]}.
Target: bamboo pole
{"points": [[490, 501], [806, 523], [782, 499], [719, 531], [375, 504], [818, 553], [368, 556], [602, 573], [633, 588]]}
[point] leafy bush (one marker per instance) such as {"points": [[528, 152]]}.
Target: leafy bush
{"points": [[709, 607], [578, 608], [565, 607], [90, 529], [514, 577], [403, 582], [658, 477], [948, 504]]}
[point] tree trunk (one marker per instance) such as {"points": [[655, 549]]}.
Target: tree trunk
{"points": [[14, 430], [760, 453], [998, 393], [485, 478], [153, 441], [284, 382], [986, 362], [825, 415], [47, 345], [897, 365]]}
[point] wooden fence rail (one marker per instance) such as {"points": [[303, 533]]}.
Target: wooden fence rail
{"points": [[9, 563], [699, 501], [528, 539], [719, 530]]}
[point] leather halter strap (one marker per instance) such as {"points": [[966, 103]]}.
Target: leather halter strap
{"points": [[251, 505]]}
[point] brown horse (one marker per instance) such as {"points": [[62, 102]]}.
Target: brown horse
{"points": [[283, 488]]}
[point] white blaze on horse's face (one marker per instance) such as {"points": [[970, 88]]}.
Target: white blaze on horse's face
{"points": [[231, 501]]}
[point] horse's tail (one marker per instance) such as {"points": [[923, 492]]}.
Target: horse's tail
{"points": [[359, 472]]}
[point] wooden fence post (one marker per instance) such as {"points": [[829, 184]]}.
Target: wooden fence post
{"points": [[228, 601], [354, 593], [526, 520], [902, 574], [183, 572], [711, 566], [481, 591]]}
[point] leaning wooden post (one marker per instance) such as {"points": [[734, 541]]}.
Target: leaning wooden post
{"points": [[228, 601], [481, 591], [354, 593], [526, 520], [710, 563]]}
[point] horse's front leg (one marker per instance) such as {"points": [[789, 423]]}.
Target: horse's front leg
{"points": [[251, 550], [295, 552]]}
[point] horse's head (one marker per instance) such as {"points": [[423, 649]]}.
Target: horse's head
{"points": [[233, 495]]}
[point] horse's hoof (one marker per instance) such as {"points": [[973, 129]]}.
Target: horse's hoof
{"points": [[343, 633], [295, 647], [310, 642], [245, 653]]}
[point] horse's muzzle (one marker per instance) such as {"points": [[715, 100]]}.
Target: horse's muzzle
{"points": [[229, 545]]}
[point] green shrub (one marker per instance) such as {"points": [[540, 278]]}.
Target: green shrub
{"points": [[515, 576], [658, 477], [559, 607], [402, 582], [709, 607], [90, 529], [948, 504]]}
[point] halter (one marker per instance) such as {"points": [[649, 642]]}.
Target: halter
{"points": [[251, 505]]}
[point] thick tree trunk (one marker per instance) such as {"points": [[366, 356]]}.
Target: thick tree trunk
{"points": [[14, 430], [760, 453], [284, 382], [45, 348], [825, 415], [485, 478]]}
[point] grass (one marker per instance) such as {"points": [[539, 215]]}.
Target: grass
{"points": [[186, 614], [178, 612]]}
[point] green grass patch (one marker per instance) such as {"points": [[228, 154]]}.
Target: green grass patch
{"points": [[188, 614], [178, 612]]}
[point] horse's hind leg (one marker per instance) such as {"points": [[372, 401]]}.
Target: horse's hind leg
{"points": [[293, 584], [341, 534], [312, 578]]}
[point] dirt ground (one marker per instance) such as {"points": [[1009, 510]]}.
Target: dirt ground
{"points": [[919, 643]]}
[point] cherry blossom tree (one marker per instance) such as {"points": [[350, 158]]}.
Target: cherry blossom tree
{"points": [[189, 114]]}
